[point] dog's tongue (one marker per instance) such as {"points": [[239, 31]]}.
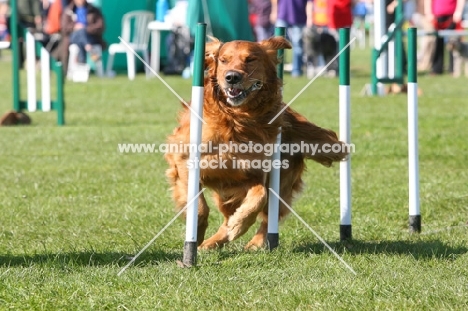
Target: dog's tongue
{"points": [[234, 92]]}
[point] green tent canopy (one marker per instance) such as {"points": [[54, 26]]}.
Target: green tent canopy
{"points": [[228, 19]]}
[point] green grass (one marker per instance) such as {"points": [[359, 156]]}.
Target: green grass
{"points": [[73, 210]]}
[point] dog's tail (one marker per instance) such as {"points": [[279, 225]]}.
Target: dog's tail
{"points": [[316, 143]]}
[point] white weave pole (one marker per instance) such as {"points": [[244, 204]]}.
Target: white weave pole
{"points": [[31, 71], [379, 31], [345, 134], [413, 165], [274, 182], [45, 79], [190, 246]]}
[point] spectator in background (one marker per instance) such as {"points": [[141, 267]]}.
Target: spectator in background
{"points": [[340, 15], [360, 11], [427, 48], [4, 33], [262, 24], [29, 16], [29, 13], [316, 38], [391, 6], [45, 4], [444, 14], [294, 15], [51, 26], [53, 16], [83, 25]]}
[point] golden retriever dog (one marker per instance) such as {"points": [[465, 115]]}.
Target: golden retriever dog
{"points": [[242, 94]]}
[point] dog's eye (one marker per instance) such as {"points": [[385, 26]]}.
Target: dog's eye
{"points": [[222, 60], [250, 59]]}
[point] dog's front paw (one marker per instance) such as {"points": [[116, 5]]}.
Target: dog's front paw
{"points": [[237, 226], [255, 244], [207, 245]]}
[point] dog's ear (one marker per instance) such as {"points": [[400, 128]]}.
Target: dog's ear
{"points": [[272, 45], [211, 52]]}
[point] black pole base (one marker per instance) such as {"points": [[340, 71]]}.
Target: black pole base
{"points": [[272, 240], [345, 232], [415, 223], [190, 254]]}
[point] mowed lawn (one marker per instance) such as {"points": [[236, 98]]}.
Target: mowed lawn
{"points": [[73, 210]]}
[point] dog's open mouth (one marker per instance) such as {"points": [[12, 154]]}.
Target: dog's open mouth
{"points": [[234, 93], [235, 96]]}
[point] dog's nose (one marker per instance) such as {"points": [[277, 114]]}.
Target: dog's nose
{"points": [[233, 77]]}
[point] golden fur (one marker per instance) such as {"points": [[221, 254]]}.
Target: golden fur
{"points": [[241, 95]]}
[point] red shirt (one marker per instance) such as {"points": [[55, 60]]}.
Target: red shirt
{"points": [[443, 7], [339, 14]]}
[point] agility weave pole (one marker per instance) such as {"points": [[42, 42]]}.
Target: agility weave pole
{"points": [[190, 246], [345, 134], [413, 166], [387, 55], [34, 48], [273, 201]]}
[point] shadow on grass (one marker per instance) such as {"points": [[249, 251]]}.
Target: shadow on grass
{"points": [[89, 259], [420, 250]]}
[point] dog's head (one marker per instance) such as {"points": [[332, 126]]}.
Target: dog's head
{"points": [[239, 69]]}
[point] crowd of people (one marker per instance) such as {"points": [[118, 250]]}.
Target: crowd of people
{"points": [[312, 27], [57, 24]]}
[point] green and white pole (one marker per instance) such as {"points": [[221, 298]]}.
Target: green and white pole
{"points": [[274, 184], [31, 71], [345, 135], [15, 51], [190, 246], [379, 64], [47, 62], [413, 166], [399, 57]]}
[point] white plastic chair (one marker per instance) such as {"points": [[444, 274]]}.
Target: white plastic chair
{"points": [[135, 37], [4, 45]]}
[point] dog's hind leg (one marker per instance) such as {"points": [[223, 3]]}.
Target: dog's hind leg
{"points": [[227, 207], [179, 195], [203, 212]]}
